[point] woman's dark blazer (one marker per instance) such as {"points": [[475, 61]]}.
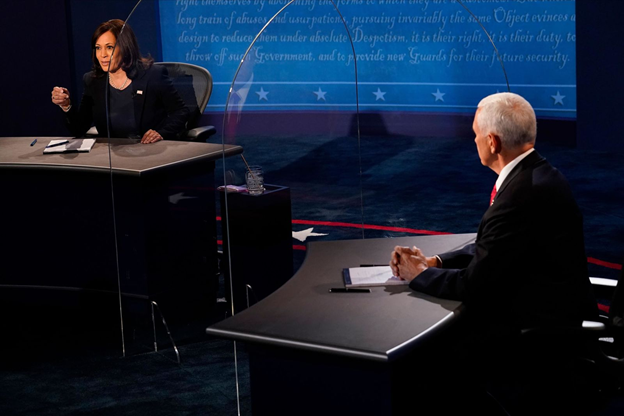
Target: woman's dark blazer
{"points": [[157, 105]]}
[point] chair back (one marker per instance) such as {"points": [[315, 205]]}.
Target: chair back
{"points": [[194, 84], [616, 310]]}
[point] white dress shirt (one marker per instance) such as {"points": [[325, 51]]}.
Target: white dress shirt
{"points": [[509, 167]]}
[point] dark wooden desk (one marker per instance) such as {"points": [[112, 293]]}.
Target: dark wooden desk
{"points": [[128, 157], [312, 352], [58, 211]]}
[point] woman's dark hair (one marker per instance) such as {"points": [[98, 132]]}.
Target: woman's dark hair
{"points": [[126, 47]]}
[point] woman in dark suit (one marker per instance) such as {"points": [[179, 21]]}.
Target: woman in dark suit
{"points": [[143, 103]]}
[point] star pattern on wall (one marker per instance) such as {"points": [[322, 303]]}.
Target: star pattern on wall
{"points": [[558, 98], [262, 94], [379, 95], [326, 94], [320, 94], [439, 96]]}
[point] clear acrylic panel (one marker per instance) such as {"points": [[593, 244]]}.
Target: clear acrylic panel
{"points": [[424, 67], [67, 291], [166, 209], [164, 196], [111, 193], [138, 263], [292, 107]]}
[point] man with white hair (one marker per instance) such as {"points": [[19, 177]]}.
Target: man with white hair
{"points": [[527, 266]]}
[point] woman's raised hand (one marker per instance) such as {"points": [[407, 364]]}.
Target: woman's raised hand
{"points": [[60, 96]]}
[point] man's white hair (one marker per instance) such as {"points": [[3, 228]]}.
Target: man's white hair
{"points": [[510, 117]]}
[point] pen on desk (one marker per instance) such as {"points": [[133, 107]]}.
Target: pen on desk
{"points": [[348, 290], [57, 144], [33, 142]]}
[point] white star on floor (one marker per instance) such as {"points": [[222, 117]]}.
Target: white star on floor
{"points": [[320, 94], [558, 98], [303, 235], [379, 95], [439, 96], [262, 94], [175, 198]]}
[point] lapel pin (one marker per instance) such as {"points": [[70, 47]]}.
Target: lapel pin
{"points": [[140, 92]]}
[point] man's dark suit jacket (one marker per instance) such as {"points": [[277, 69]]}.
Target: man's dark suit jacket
{"points": [[157, 105], [528, 265]]}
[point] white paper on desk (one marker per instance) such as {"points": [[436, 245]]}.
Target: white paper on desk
{"points": [[76, 145], [371, 276]]}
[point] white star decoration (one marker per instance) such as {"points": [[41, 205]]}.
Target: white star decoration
{"points": [[175, 198], [439, 96], [379, 95], [303, 235], [558, 98], [262, 94], [320, 94]]}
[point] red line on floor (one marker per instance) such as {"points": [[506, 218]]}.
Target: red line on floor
{"points": [[369, 227], [411, 231], [604, 263], [603, 308]]}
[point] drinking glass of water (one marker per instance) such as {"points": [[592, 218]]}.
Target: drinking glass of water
{"points": [[254, 177]]}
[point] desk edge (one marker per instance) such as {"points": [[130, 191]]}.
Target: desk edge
{"points": [[443, 323], [231, 150], [277, 342], [389, 356]]}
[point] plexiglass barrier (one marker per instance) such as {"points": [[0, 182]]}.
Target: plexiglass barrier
{"points": [[349, 121], [370, 168], [416, 111], [165, 205], [323, 157], [292, 107]]}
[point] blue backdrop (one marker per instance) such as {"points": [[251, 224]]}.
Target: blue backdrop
{"points": [[412, 55]]}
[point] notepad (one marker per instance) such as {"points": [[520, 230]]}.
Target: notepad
{"points": [[371, 276], [65, 146]]}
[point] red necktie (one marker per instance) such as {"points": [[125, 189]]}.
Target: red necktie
{"points": [[493, 195]]}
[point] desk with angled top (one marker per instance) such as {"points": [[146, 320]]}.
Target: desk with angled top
{"points": [[58, 216], [314, 352]]}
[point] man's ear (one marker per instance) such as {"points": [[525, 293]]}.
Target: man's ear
{"points": [[495, 143]]}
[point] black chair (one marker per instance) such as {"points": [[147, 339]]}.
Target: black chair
{"points": [[194, 84], [603, 338], [611, 325], [592, 352]]}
